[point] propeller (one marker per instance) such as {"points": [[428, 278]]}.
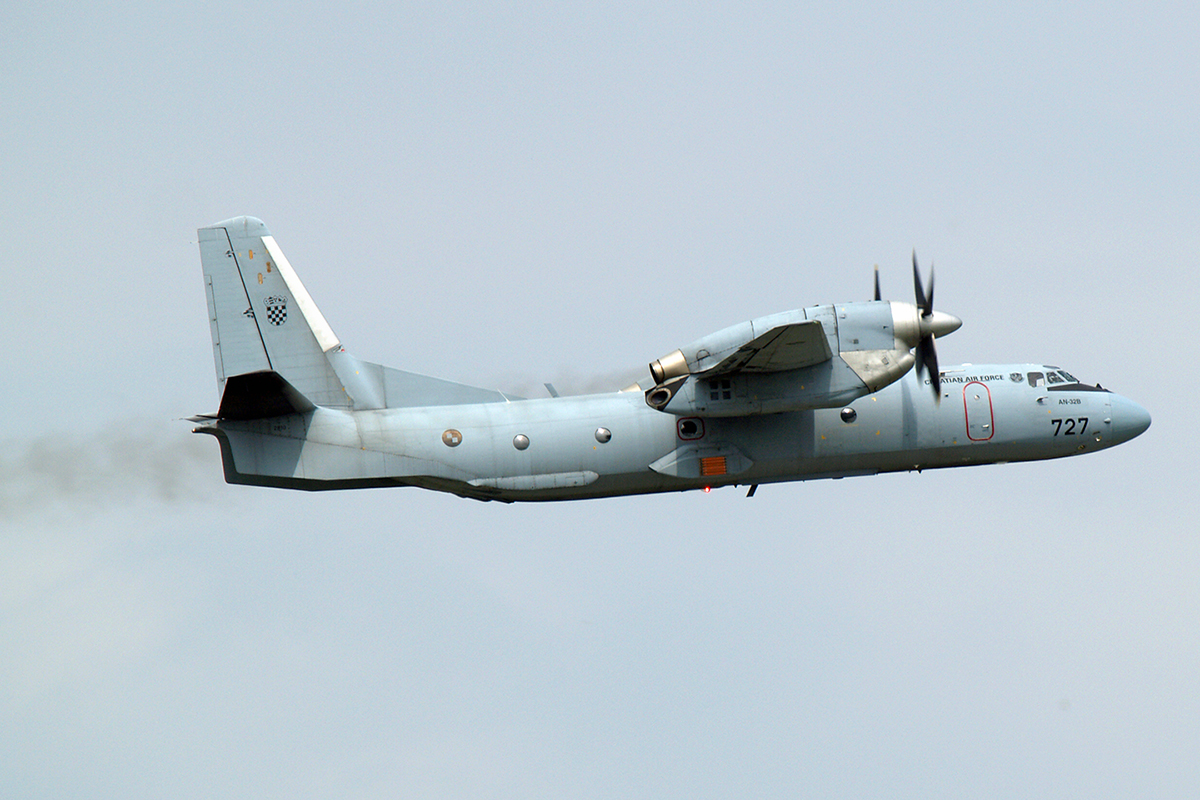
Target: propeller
{"points": [[926, 351], [921, 326]]}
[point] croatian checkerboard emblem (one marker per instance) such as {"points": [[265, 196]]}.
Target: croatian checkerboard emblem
{"points": [[451, 438], [276, 309]]}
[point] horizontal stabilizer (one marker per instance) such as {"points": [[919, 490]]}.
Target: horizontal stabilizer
{"points": [[258, 395]]}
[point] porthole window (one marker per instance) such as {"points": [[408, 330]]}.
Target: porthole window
{"points": [[690, 428], [521, 441], [603, 435], [849, 415]]}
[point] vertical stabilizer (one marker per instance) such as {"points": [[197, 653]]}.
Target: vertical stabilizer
{"points": [[264, 321], [262, 318]]}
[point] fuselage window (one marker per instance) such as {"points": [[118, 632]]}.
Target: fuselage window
{"points": [[720, 390]]}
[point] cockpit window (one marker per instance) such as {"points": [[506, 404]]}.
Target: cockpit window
{"points": [[1035, 379], [1054, 377], [1068, 376]]}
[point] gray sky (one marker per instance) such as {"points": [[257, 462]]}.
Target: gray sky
{"points": [[509, 196]]}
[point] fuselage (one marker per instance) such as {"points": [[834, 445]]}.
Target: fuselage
{"points": [[615, 444]]}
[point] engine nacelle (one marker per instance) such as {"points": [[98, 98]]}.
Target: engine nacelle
{"points": [[869, 348], [829, 385]]}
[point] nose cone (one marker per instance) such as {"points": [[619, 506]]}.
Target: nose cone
{"points": [[1129, 420]]}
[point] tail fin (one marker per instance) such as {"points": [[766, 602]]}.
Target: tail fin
{"points": [[262, 318], [267, 328]]}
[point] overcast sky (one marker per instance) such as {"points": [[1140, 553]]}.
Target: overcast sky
{"points": [[505, 196]]}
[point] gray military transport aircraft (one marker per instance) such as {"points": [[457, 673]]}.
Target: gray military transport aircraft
{"points": [[822, 392]]}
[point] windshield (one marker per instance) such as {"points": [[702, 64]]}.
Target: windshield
{"points": [[1052, 376]]}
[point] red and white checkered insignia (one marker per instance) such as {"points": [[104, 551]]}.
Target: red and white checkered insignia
{"points": [[276, 309]]}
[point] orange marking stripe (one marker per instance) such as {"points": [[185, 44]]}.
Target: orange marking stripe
{"points": [[713, 465]]}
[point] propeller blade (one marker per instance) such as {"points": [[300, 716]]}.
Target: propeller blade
{"points": [[927, 363], [878, 295], [929, 299], [935, 377], [918, 291]]}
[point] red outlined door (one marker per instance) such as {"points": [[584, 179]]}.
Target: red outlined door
{"points": [[977, 405]]}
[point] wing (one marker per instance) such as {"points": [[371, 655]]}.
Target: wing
{"points": [[784, 347]]}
